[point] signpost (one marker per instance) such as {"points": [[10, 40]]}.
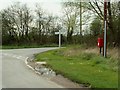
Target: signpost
{"points": [[56, 33], [59, 37]]}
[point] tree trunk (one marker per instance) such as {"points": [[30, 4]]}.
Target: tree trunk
{"points": [[110, 23]]}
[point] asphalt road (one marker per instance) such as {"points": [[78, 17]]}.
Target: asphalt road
{"points": [[15, 73]]}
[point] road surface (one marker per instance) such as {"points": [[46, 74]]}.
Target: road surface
{"points": [[15, 73]]}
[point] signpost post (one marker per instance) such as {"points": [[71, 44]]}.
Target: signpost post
{"points": [[59, 37]]}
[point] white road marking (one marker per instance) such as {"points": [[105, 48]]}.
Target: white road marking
{"points": [[20, 58], [14, 56]]}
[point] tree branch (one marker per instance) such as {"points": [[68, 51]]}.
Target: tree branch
{"points": [[96, 11], [98, 8]]}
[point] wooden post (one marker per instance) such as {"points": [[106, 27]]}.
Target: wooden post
{"points": [[105, 29]]}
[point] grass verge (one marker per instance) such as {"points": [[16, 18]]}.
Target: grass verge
{"points": [[25, 46], [82, 67]]}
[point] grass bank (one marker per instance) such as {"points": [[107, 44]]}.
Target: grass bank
{"points": [[83, 65]]}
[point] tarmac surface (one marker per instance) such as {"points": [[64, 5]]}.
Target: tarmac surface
{"points": [[15, 74]]}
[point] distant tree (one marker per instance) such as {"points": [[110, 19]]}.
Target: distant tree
{"points": [[39, 21], [76, 15], [20, 17], [8, 31], [27, 20], [46, 25], [96, 27], [83, 13], [70, 19]]}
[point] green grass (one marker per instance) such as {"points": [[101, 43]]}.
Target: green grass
{"points": [[86, 68], [17, 47], [25, 46]]}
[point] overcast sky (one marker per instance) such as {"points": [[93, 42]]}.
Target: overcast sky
{"points": [[50, 6], [53, 6]]}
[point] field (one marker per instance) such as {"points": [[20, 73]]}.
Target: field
{"points": [[25, 46]]}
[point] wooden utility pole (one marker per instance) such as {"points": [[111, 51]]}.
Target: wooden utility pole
{"points": [[80, 18], [105, 29]]}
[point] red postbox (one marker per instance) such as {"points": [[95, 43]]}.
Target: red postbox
{"points": [[100, 42]]}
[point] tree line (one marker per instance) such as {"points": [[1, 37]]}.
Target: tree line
{"points": [[82, 22]]}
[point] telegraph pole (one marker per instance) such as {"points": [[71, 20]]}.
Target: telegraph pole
{"points": [[105, 28], [80, 18]]}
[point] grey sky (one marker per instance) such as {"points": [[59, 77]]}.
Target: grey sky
{"points": [[50, 6]]}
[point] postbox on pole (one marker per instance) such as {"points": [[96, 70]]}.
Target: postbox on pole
{"points": [[100, 43]]}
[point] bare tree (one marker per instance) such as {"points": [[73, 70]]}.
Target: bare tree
{"points": [[70, 20], [97, 8]]}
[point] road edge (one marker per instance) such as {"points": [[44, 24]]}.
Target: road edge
{"points": [[26, 62]]}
